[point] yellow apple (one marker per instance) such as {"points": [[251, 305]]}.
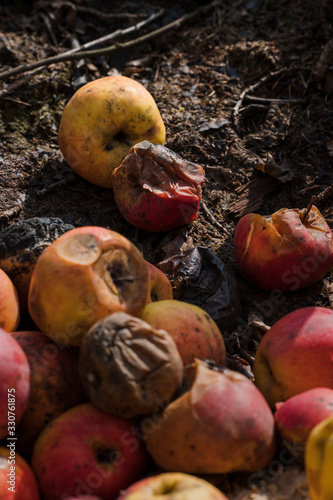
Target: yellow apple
{"points": [[102, 121]]}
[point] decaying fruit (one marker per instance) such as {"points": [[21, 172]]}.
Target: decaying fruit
{"points": [[222, 424], [127, 367], [155, 189], [9, 303], [20, 246], [159, 285], [85, 275]]}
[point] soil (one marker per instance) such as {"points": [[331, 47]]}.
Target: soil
{"points": [[245, 90]]}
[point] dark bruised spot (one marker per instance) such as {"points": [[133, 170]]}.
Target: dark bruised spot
{"points": [[193, 447], [196, 329], [88, 91], [107, 456], [109, 147], [264, 227]]}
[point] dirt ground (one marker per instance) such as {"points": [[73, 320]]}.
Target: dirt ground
{"points": [[245, 90]]}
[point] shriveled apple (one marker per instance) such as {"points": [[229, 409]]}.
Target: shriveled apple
{"points": [[55, 385], [159, 285], [222, 424], [14, 383], [9, 303], [172, 486], [83, 276], [295, 355], [194, 331], [127, 367], [155, 189], [286, 251], [297, 416], [101, 122]]}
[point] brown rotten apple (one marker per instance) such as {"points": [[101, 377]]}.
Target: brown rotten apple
{"points": [[155, 189], [284, 252], [222, 424], [83, 276], [101, 122], [127, 367]]}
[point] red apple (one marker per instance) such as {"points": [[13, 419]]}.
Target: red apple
{"points": [[83, 276], [17, 480], [101, 122], [55, 385], [194, 331], [159, 285], [14, 384], [284, 251], [9, 304], [87, 452], [298, 415], [296, 354], [221, 425], [172, 486], [155, 189]]}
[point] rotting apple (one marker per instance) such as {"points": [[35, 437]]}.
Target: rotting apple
{"points": [[297, 416], [155, 189], [196, 334], [17, 480], [9, 303], [222, 424], [83, 276], [101, 122], [14, 383], [296, 354], [159, 285], [287, 251], [172, 486], [87, 452], [55, 385], [128, 368]]}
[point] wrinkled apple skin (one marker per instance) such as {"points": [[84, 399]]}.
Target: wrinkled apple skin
{"points": [[101, 122], [172, 486], [195, 333], [156, 190], [24, 481], [9, 304], [282, 253], [297, 416], [14, 381], [87, 452], [83, 276], [296, 354], [221, 425], [55, 385], [159, 285]]}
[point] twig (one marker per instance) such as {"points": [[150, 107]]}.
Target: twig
{"points": [[18, 83], [50, 187], [251, 88], [307, 211], [65, 56], [106, 15], [324, 196], [267, 100], [212, 218], [72, 56]]}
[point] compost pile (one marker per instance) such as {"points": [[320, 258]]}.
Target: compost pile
{"points": [[245, 91]]}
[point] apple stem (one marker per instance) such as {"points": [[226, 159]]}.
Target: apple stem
{"points": [[307, 211]]}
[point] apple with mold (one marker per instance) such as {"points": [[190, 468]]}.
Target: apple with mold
{"points": [[17, 480], [9, 303], [296, 354], [55, 385], [155, 189], [87, 452], [297, 416], [221, 425], [195, 333], [287, 251], [159, 286], [102, 121], [14, 383], [172, 486], [83, 276]]}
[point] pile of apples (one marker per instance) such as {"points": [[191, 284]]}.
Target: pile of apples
{"points": [[118, 374]]}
